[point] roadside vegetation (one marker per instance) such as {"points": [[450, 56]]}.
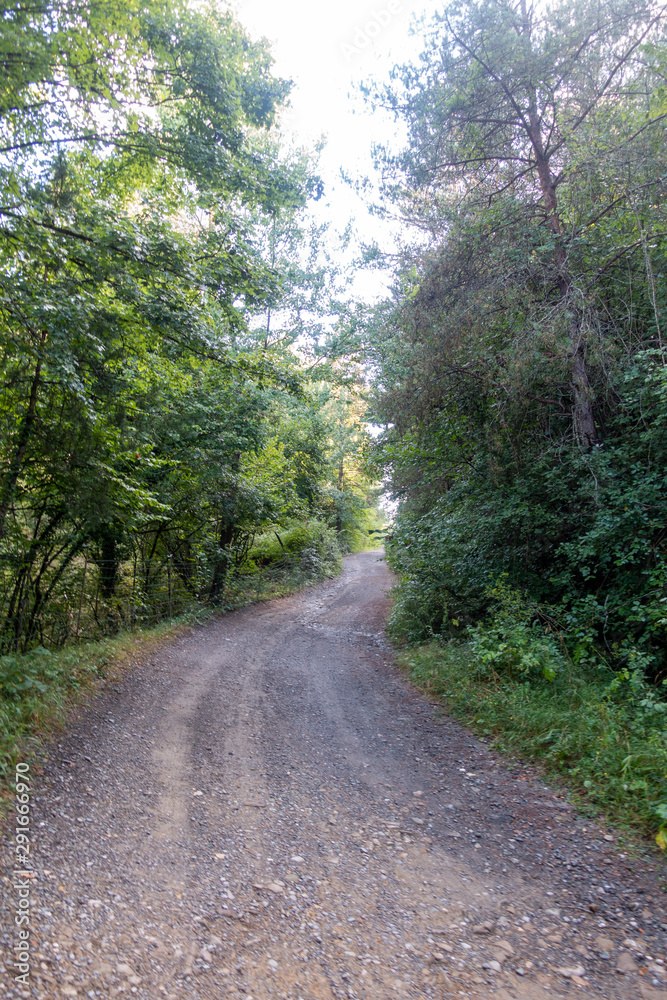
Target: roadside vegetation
{"points": [[522, 386], [40, 689], [182, 400], [601, 733]]}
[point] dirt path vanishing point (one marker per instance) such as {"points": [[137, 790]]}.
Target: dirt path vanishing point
{"points": [[266, 809]]}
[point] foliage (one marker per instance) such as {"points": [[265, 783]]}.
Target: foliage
{"points": [[516, 642], [520, 362], [152, 420], [26, 673], [309, 546], [520, 369]]}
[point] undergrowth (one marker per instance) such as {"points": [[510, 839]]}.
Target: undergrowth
{"points": [[604, 734]]}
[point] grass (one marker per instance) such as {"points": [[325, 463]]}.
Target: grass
{"points": [[606, 742], [41, 690]]}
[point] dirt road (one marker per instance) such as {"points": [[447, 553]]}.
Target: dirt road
{"points": [[268, 810]]}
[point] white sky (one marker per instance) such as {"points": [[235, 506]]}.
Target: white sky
{"points": [[324, 48]]}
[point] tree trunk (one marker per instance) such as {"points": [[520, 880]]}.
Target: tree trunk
{"points": [[582, 396], [109, 561], [584, 421], [341, 482], [222, 565], [225, 539], [25, 433]]}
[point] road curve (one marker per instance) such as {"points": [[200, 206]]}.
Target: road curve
{"points": [[267, 810]]}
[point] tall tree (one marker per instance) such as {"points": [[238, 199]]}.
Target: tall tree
{"points": [[519, 361], [504, 94], [138, 174]]}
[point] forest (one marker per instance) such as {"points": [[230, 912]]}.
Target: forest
{"points": [[181, 382], [196, 408], [520, 378]]}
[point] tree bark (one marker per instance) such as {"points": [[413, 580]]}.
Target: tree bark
{"points": [[341, 480], [109, 562], [25, 433], [584, 420], [225, 539], [583, 417]]}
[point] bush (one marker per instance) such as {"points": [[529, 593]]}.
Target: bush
{"points": [[415, 615], [309, 545], [36, 686], [515, 640], [583, 535]]}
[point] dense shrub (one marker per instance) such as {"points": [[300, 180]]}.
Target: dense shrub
{"points": [[582, 536]]}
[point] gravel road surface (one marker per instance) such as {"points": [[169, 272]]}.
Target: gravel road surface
{"points": [[266, 809]]}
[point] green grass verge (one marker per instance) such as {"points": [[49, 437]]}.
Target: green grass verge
{"points": [[41, 689], [606, 742]]}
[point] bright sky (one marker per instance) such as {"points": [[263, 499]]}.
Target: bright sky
{"points": [[324, 48]]}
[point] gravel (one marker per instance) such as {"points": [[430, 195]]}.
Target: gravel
{"points": [[267, 809]]}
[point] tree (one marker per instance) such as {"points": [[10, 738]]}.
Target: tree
{"points": [[519, 359], [496, 114], [138, 176], [150, 223]]}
